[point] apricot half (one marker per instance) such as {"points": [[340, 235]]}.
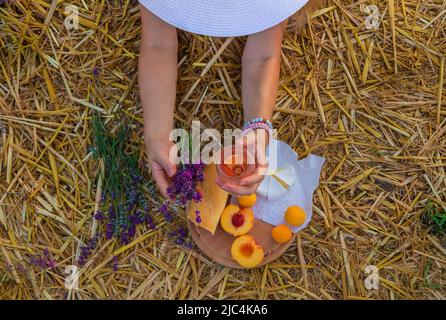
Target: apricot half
{"points": [[237, 221], [295, 216], [247, 201], [246, 251]]}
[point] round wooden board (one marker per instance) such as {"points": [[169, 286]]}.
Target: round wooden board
{"points": [[218, 246]]}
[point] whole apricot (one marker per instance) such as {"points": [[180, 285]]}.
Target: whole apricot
{"points": [[247, 201], [281, 233], [295, 216]]}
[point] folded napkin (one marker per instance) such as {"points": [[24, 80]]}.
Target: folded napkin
{"points": [[300, 193]]}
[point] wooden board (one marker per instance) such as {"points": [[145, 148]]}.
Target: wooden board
{"points": [[218, 246]]}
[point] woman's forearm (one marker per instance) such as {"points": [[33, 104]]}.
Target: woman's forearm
{"points": [[157, 75], [157, 86], [260, 73]]}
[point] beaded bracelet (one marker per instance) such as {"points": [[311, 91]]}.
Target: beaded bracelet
{"points": [[258, 120], [255, 126]]}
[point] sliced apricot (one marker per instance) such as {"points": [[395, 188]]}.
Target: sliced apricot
{"points": [[237, 221], [246, 251], [295, 216], [247, 201], [281, 233]]}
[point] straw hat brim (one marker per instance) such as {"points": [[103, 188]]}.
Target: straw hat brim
{"points": [[223, 18]]}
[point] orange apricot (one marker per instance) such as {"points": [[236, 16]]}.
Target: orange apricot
{"points": [[295, 216], [247, 201], [246, 251], [237, 221], [281, 233]]}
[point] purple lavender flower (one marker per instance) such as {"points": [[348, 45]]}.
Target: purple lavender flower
{"points": [[96, 71], [150, 222], [197, 196], [136, 179], [138, 217], [125, 238], [197, 216], [52, 264], [179, 236], [185, 183], [164, 209], [115, 263], [189, 245], [87, 249], [132, 231], [109, 231], [183, 189], [43, 261], [182, 232], [99, 216]]}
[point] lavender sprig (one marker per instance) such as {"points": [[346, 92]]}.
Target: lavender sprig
{"points": [[115, 263], [184, 188], [123, 203], [43, 261]]}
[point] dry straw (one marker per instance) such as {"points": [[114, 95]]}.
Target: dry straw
{"points": [[370, 100]]}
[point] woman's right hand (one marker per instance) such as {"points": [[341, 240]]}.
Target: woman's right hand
{"points": [[163, 169]]}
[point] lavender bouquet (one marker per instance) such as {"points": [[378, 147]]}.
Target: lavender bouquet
{"points": [[184, 188], [123, 202]]}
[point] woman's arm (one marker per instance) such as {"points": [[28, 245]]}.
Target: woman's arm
{"points": [[260, 72], [157, 75], [260, 77]]}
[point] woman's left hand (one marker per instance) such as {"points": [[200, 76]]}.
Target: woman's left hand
{"points": [[255, 140]]}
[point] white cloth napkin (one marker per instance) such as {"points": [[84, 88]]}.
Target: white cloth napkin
{"points": [[300, 193]]}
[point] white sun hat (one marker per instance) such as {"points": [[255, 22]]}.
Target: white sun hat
{"points": [[223, 18]]}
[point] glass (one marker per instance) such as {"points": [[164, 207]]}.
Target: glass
{"points": [[235, 164]]}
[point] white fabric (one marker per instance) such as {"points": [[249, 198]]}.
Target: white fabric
{"points": [[300, 193], [223, 18]]}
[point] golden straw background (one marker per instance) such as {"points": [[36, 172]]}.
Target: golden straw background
{"points": [[372, 102]]}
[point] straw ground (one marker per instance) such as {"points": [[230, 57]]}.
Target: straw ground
{"points": [[371, 101]]}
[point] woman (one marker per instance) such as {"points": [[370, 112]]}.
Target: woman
{"points": [[263, 21]]}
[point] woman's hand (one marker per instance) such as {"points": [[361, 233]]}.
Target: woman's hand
{"points": [[162, 168], [257, 141], [260, 77]]}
